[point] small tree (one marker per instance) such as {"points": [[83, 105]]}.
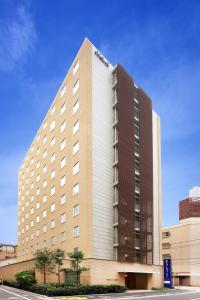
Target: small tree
{"points": [[25, 278], [76, 258], [58, 257], [44, 262]]}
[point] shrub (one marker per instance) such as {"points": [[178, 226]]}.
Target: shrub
{"points": [[69, 290], [25, 278], [11, 283]]}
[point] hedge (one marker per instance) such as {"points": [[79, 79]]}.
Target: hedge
{"points": [[69, 290]]}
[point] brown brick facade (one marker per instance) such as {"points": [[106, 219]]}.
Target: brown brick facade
{"points": [[189, 209]]}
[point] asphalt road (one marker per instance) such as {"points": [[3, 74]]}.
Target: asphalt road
{"points": [[7, 293]]}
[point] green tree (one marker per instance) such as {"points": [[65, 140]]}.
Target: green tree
{"points": [[58, 257], [76, 258], [44, 262]]}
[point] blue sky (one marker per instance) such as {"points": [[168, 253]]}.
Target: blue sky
{"points": [[158, 42]]}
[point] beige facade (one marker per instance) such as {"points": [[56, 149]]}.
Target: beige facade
{"points": [[46, 180], [181, 244], [66, 194]]}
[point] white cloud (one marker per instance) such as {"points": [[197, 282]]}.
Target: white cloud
{"points": [[17, 39]]}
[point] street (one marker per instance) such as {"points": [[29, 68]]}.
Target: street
{"points": [[8, 293]]}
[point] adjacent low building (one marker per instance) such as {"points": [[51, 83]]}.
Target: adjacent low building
{"points": [[91, 179], [181, 242], [7, 251]]}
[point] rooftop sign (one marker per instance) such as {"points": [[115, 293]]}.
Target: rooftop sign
{"points": [[102, 58]]}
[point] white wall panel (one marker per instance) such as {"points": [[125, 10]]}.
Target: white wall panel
{"points": [[102, 132]]}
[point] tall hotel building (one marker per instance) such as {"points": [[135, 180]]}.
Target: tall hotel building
{"points": [[91, 179]]}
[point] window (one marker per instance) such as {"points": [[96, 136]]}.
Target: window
{"points": [[38, 205], [75, 67], [53, 190], [32, 223], [32, 198], [38, 164], [76, 168], [53, 223], [44, 213], [38, 137], [76, 189], [166, 256], [53, 141], [76, 210], [45, 228], [75, 107], [76, 231], [32, 210], [32, 185], [37, 191], [44, 243], [32, 236], [62, 218], [53, 157], [44, 168], [165, 234], [76, 87], [53, 174], [63, 162], [38, 219], [53, 125], [63, 125], [45, 153], [53, 207], [32, 173], [27, 215], [44, 139], [62, 181], [53, 109], [44, 183], [63, 144], [63, 236], [38, 150], [62, 199], [32, 160], [76, 249], [76, 127], [45, 124], [53, 240], [166, 245], [63, 108], [63, 90], [38, 232], [44, 199], [32, 148]]}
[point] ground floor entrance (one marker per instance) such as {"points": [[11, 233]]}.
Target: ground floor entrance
{"points": [[182, 280], [136, 281]]}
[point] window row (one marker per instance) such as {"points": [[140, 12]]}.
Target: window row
{"points": [[75, 189], [75, 170], [76, 148], [76, 211], [76, 127], [75, 233]]}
